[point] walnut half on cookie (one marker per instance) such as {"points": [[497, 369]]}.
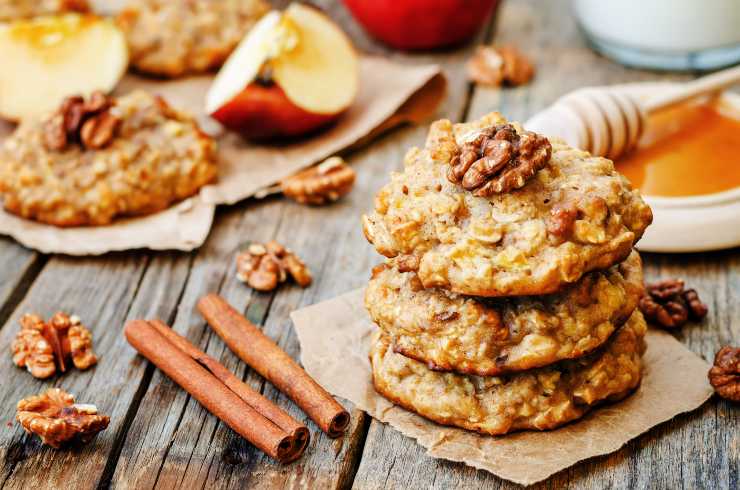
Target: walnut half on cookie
{"points": [[95, 160], [499, 159], [57, 419]]}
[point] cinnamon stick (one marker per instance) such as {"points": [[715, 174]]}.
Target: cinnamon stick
{"points": [[273, 363], [265, 407], [214, 395]]}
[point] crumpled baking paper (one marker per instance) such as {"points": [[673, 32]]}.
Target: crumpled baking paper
{"points": [[335, 340], [389, 94], [183, 226]]}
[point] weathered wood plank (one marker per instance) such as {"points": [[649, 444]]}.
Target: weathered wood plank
{"points": [[697, 450], [339, 266], [156, 426], [18, 270], [65, 284], [104, 292], [166, 440]]}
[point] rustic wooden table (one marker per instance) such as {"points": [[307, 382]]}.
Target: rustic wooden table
{"points": [[160, 437]]}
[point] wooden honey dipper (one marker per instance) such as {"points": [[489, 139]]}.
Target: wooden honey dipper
{"points": [[609, 123]]}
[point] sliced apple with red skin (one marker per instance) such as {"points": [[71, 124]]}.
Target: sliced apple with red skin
{"points": [[49, 58], [312, 72]]}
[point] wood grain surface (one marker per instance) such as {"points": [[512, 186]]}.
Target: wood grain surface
{"points": [[161, 438]]}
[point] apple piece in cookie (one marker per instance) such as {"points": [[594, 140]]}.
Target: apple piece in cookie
{"points": [[47, 58], [295, 72]]}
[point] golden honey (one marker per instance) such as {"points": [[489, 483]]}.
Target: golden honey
{"points": [[688, 151]]}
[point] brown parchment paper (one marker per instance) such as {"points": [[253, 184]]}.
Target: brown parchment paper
{"points": [[335, 340], [390, 94], [183, 226]]}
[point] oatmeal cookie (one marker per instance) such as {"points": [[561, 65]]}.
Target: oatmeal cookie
{"points": [[574, 215], [152, 156], [173, 38], [540, 399], [489, 336], [23, 9]]}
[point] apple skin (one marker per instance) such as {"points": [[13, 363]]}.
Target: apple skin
{"points": [[421, 24], [262, 112]]}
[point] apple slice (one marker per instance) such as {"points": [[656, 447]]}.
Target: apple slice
{"points": [[48, 58], [294, 72]]}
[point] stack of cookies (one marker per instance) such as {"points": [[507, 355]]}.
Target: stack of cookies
{"points": [[508, 299]]}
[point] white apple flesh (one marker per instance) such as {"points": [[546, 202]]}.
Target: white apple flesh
{"points": [[312, 69], [49, 58]]}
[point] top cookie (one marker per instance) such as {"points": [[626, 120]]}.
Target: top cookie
{"points": [[530, 229], [174, 38]]}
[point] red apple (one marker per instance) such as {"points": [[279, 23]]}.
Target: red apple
{"points": [[263, 112], [293, 73], [421, 24]]}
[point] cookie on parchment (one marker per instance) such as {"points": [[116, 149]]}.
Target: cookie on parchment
{"points": [[528, 217], [172, 38], [540, 399], [489, 336], [97, 159]]}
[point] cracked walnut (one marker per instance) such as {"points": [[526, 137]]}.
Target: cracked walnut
{"points": [[499, 159], [57, 419], [265, 266], [668, 304], [43, 347], [725, 374], [322, 184], [495, 66], [92, 123]]}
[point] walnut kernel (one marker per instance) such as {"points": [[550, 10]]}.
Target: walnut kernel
{"points": [[265, 266], [43, 347], [561, 220], [495, 66], [667, 304], [498, 160], [31, 350], [321, 184], [407, 263], [56, 419], [725, 374], [90, 123]]}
